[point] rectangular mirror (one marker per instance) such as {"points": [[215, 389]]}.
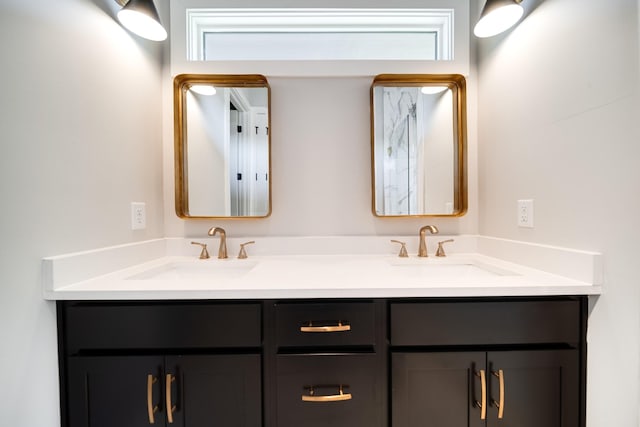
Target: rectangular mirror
{"points": [[418, 145], [222, 146]]}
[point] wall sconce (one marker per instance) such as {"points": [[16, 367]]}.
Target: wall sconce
{"points": [[141, 17], [498, 16]]}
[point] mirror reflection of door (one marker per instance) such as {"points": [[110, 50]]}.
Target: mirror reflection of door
{"points": [[248, 153], [228, 152], [207, 128]]}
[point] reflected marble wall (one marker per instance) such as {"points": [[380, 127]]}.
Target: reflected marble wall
{"points": [[400, 150], [415, 151]]}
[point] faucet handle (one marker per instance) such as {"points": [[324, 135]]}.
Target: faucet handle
{"points": [[243, 253], [440, 250], [403, 249], [204, 254]]}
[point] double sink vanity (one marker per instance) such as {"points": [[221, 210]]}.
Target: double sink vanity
{"points": [[321, 331]]}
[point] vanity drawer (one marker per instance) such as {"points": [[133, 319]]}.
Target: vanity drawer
{"points": [[325, 324], [361, 401], [102, 326], [485, 322]]}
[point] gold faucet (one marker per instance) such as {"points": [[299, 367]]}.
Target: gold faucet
{"points": [[222, 250], [422, 249]]}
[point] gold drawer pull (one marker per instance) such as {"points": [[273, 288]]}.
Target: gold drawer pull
{"points": [[170, 406], [483, 399], [500, 404], [340, 327], [151, 409], [311, 397]]}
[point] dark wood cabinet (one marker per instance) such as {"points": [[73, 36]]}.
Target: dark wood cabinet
{"points": [[171, 363], [541, 388], [325, 324], [538, 388], [221, 390], [438, 386], [134, 391], [489, 363], [485, 322], [329, 364], [341, 390], [472, 362], [109, 391]]}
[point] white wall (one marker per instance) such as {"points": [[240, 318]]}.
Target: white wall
{"points": [[559, 123], [81, 138]]}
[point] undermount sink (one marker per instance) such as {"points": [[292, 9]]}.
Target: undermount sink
{"points": [[445, 268], [317, 269], [196, 270]]}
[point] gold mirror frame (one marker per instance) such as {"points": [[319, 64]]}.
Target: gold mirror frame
{"points": [[457, 84], [181, 85]]}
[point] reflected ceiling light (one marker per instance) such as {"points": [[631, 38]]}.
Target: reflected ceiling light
{"points": [[203, 89], [498, 16], [432, 90], [141, 17]]}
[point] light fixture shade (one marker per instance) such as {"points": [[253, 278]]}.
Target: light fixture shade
{"points": [[203, 89], [141, 17], [498, 16], [433, 90]]}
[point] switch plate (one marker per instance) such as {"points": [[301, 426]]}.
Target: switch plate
{"points": [[138, 216], [525, 213]]}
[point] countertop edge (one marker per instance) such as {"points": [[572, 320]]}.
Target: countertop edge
{"points": [[99, 279], [461, 292]]}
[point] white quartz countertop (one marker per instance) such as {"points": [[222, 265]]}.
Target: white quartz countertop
{"points": [[162, 272]]}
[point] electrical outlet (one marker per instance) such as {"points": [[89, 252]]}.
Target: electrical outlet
{"points": [[525, 213], [138, 216]]}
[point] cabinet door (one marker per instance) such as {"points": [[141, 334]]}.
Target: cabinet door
{"points": [[215, 390], [540, 388], [437, 389], [114, 391]]}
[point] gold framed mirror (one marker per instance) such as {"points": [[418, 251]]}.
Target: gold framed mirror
{"points": [[418, 145], [222, 146]]}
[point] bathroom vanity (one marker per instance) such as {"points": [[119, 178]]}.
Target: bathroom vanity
{"points": [[320, 339], [356, 362]]}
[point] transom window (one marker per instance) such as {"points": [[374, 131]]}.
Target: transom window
{"points": [[320, 34]]}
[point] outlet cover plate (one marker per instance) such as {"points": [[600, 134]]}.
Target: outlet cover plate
{"points": [[138, 216], [525, 213]]}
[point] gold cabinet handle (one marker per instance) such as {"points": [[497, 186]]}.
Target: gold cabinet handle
{"points": [[340, 327], [483, 396], [500, 403], [151, 409], [170, 406], [311, 397]]}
